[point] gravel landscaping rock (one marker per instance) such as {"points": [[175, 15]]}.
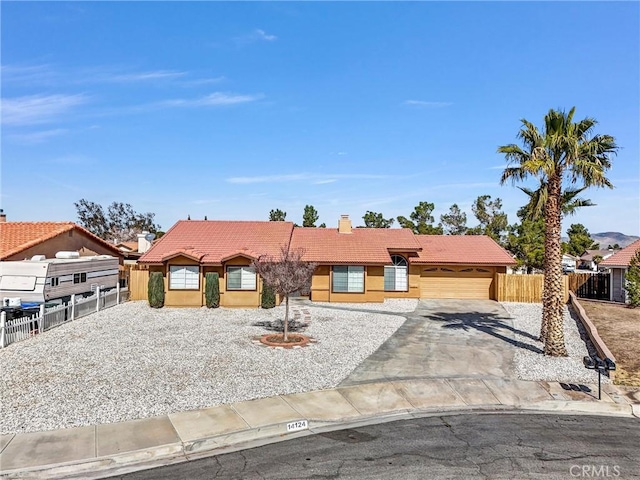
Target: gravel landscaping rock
{"points": [[131, 361], [531, 364]]}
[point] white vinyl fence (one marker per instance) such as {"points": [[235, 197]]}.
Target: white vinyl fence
{"points": [[18, 329]]}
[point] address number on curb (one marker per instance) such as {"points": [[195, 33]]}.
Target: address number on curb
{"points": [[299, 425]]}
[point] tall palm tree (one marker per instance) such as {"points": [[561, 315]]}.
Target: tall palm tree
{"points": [[564, 152], [569, 203]]}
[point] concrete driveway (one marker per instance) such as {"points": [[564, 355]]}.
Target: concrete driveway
{"points": [[445, 338]]}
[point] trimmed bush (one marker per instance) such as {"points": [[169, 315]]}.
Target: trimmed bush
{"points": [[155, 291], [212, 290], [268, 297], [633, 281]]}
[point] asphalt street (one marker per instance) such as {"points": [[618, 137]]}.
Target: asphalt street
{"points": [[493, 446]]}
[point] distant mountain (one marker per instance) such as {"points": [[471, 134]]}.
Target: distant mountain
{"points": [[611, 238]]}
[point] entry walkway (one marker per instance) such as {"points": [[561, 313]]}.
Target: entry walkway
{"points": [[444, 339]]}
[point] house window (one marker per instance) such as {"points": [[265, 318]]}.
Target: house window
{"points": [[395, 276], [79, 277], [55, 281], [348, 279], [184, 277], [241, 278]]}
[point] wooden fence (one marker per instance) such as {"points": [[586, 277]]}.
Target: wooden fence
{"points": [[138, 284], [523, 288]]}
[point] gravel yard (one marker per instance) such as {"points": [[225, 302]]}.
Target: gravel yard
{"points": [[530, 365], [131, 361]]}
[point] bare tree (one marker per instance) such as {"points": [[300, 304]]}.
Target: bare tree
{"points": [[286, 274]]}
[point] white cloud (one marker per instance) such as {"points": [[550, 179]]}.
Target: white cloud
{"points": [[36, 137], [212, 100], [258, 35], [314, 177], [423, 104], [35, 109], [262, 35], [143, 76]]}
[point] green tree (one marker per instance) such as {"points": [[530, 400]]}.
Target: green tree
{"points": [[376, 220], [564, 151], [633, 281], [579, 240], [526, 241], [268, 299], [421, 222], [493, 221], [454, 222], [155, 290], [570, 202], [121, 223], [277, 215], [310, 216], [212, 289]]}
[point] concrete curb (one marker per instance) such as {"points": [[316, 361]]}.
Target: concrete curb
{"points": [[132, 461]]}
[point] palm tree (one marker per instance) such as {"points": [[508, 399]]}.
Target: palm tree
{"points": [[564, 152], [569, 203]]}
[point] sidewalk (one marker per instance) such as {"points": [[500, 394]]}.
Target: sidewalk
{"points": [[111, 449]]}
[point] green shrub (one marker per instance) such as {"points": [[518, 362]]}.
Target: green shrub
{"points": [[212, 290], [155, 291], [633, 281], [268, 297]]}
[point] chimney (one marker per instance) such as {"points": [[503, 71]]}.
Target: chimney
{"points": [[3, 216], [344, 224], [143, 243]]}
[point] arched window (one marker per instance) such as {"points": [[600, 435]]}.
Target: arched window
{"points": [[396, 274]]}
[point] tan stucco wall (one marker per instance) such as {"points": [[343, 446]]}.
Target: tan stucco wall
{"points": [[373, 286], [70, 241]]}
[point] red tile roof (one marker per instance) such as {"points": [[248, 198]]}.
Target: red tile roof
{"points": [[363, 246], [623, 257], [461, 250], [18, 236], [213, 241]]}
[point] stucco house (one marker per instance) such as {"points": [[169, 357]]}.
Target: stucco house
{"points": [[354, 264], [586, 260], [618, 264], [23, 240]]}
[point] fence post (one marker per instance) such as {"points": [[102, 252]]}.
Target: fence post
{"points": [[3, 326], [118, 293], [97, 298], [41, 322], [73, 306]]}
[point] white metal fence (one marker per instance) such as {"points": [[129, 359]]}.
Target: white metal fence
{"points": [[18, 329]]}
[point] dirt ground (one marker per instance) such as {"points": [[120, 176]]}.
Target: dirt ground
{"points": [[619, 327]]}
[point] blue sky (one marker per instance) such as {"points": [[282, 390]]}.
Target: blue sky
{"points": [[232, 109]]}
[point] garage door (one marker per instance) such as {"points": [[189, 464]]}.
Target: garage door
{"points": [[456, 282]]}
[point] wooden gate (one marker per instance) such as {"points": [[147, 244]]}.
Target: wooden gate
{"points": [[596, 286]]}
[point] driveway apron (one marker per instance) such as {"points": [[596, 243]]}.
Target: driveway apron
{"points": [[444, 339]]}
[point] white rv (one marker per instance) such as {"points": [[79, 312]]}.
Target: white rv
{"points": [[43, 279]]}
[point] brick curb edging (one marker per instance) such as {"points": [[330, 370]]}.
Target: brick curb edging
{"points": [[592, 331]]}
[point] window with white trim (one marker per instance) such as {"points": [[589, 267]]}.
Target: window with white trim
{"points": [[348, 278], [184, 277], [395, 276], [241, 278]]}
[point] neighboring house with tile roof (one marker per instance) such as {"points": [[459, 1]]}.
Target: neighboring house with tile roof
{"points": [[618, 263], [586, 260], [354, 265], [23, 240]]}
